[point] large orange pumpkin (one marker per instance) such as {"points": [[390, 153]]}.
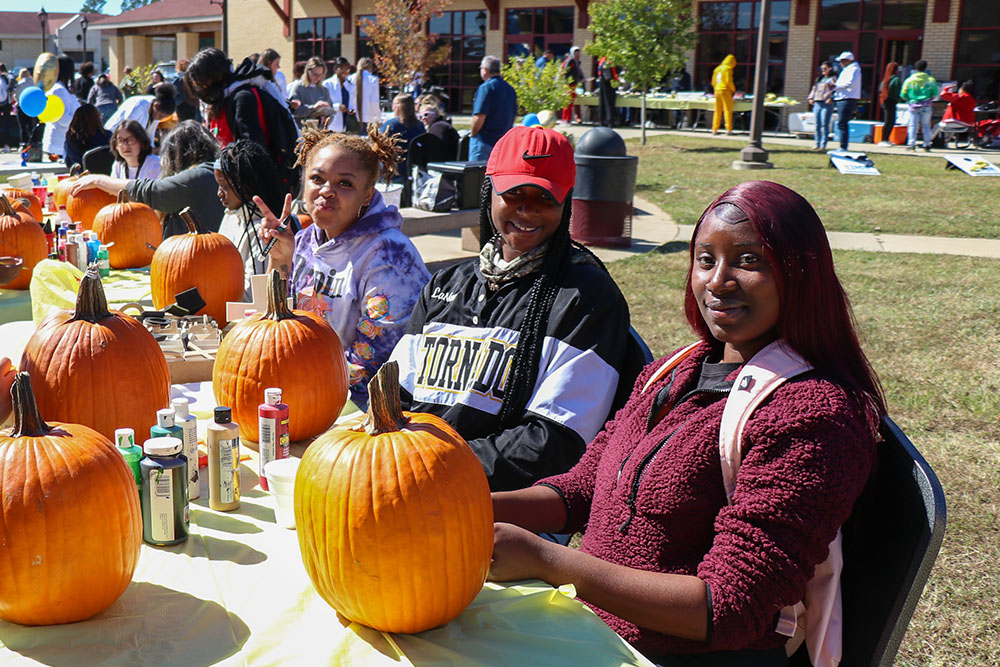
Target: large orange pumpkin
{"points": [[27, 202], [21, 237], [85, 205], [202, 259], [61, 190], [95, 367], [295, 350], [394, 516], [134, 229], [70, 522]]}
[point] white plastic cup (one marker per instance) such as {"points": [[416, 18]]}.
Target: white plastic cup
{"points": [[280, 475]]}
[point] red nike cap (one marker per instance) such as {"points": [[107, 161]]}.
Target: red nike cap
{"points": [[533, 156]]}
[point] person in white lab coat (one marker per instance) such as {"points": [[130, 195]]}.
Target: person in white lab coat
{"points": [[342, 97], [147, 110], [54, 138], [366, 94]]}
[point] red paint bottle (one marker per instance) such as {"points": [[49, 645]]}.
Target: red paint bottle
{"points": [[272, 416]]}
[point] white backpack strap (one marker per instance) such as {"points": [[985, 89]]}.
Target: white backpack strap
{"points": [[669, 365], [765, 372]]}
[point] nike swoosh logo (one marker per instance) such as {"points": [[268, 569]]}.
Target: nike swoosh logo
{"points": [[525, 156]]}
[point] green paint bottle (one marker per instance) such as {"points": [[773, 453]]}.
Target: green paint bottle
{"points": [[125, 441]]}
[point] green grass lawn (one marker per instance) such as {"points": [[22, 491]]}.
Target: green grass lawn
{"points": [[929, 325], [913, 195]]}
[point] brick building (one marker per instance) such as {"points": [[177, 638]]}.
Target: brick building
{"points": [[960, 39], [21, 38]]}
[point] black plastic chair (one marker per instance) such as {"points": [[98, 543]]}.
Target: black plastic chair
{"points": [[891, 542], [463, 147], [99, 160]]}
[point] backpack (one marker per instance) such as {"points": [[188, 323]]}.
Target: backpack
{"points": [[282, 136], [818, 618]]}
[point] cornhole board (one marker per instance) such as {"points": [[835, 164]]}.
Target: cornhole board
{"points": [[853, 164], [972, 165]]}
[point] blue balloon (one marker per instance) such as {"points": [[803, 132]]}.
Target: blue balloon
{"points": [[32, 101], [530, 119]]}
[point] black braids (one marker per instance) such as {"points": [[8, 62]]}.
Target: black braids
{"points": [[486, 230], [250, 171]]}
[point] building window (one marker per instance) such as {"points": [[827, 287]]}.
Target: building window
{"points": [[730, 28], [872, 14], [364, 47], [206, 40], [531, 31], [466, 32], [977, 56], [318, 37]]}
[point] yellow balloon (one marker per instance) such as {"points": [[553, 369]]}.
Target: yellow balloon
{"points": [[53, 111]]}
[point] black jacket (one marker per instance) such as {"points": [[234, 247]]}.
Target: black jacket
{"points": [[195, 187], [456, 354]]}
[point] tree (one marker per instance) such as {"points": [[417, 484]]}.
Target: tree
{"points": [[645, 38], [128, 5], [93, 6], [400, 39], [537, 88]]}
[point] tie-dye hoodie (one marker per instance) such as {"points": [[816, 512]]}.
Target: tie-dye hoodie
{"points": [[364, 283]]}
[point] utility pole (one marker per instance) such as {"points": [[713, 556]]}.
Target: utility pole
{"points": [[754, 156]]}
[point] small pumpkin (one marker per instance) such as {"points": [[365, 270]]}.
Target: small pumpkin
{"points": [[202, 259], [133, 228], [295, 350], [70, 523], [61, 190], [96, 367], [394, 516], [85, 205], [21, 237], [23, 202]]}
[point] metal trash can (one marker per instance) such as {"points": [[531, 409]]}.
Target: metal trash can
{"points": [[602, 196]]}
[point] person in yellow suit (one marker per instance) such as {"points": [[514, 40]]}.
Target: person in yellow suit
{"points": [[722, 82]]}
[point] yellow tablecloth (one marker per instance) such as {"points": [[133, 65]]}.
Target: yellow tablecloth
{"points": [[236, 593]]}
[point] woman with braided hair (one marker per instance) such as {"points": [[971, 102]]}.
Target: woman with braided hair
{"points": [[523, 349], [245, 174], [353, 266]]}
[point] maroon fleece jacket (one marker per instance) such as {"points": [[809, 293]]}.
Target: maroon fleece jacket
{"points": [[653, 498]]}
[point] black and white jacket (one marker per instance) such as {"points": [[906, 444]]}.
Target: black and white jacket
{"points": [[456, 354]]}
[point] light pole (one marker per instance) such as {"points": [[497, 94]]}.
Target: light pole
{"points": [[754, 156], [83, 27], [43, 21]]}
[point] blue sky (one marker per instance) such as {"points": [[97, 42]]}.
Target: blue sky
{"points": [[70, 6]]}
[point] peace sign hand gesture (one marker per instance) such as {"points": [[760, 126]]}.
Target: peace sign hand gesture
{"points": [[271, 227]]}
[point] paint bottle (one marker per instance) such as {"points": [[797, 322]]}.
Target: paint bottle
{"points": [[125, 441], [93, 244], [272, 421], [50, 236], [72, 250], [189, 427], [103, 261], [163, 497], [165, 426], [81, 252], [62, 217], [223, 442]]}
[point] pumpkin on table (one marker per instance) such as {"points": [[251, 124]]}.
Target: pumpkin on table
{"points": [[394, 516], [295, 350], [133, 228], [21, 237], [61, 190], [85, 204], [24, 201], [97, 367], [70, 522], [203, 259]]}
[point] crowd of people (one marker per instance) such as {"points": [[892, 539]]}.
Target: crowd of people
{"points": [[527, 349]]}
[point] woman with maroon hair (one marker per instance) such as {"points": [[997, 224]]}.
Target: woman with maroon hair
{"points": [[698, 535]]}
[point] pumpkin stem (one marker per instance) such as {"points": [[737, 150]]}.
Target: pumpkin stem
{"points": [[277, 298], [385, 412], [75, 170], [91, 304], [191, 220], [122, 196], [28, 421], [5, 207]]}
